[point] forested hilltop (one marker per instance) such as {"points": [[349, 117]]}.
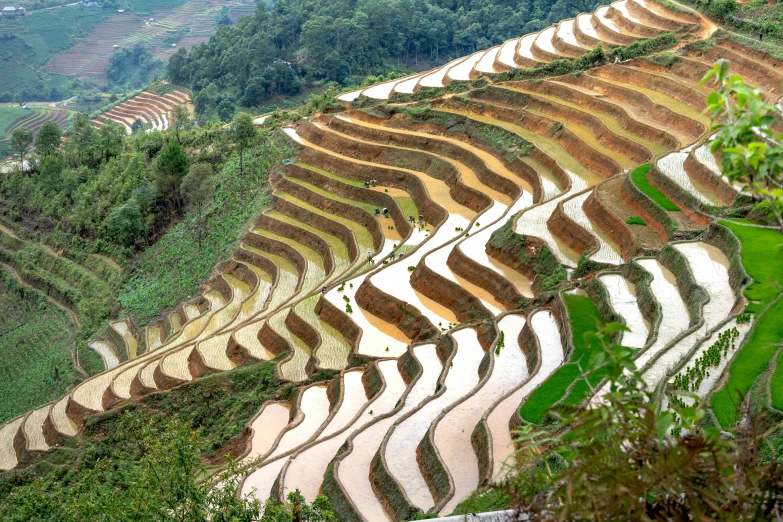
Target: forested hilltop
{"points": [[274, 52]]}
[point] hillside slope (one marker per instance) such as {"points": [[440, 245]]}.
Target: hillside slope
{"points": [[441, 242]]}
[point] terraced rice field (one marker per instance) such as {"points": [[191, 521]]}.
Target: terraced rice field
{"points": [[402, 250], [91, 54], [150, 108]]}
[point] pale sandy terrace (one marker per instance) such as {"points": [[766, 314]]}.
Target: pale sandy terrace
{"points": [[462, 70], [453, 432], [8, 431], [437, 78], [544, 40], [33, 429], [334, 349], [294, 369], [462, 376], [350, 96], [408, 86], [566, 32], [154, 340], [607, 22], [306, 471], [354, 470], [622, 296], [487, 62], [710, 268], [131, 343], [60, 420], [508, 52], [175, 364], [258, 299], [674, 314], [608, 251], [266, 428], [585, 24], [314, 410], [107, 353], [525, 44], [548, 335]]}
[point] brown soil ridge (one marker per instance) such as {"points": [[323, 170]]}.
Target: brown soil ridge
{"points": [[379, 199], [690, 206], [517, 167], [481, 276], [698, 171], [569, 231], [403, 315], [432, 212], [568, 93], [335, 207], [600, 213], [592, 159], [609, 35], [485, 174], [641, 102], [405, 160], [565, 48], [667, 86], [631, 26], [653, 18], [281, 249], [539, 52], [606, 137], [466, 307], [301, 236], [328, 226]]}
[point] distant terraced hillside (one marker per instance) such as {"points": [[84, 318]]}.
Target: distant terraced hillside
{"points": [[147, 107], [405, 238], [197, 19]]}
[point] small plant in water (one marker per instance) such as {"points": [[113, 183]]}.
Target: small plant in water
{"points": [[411, 268], [501, 342]]}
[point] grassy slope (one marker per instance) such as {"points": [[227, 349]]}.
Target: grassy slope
{"points": [[584, 315], [9, 116], [174, 267], [35, 361], [639, 177], [761, 255]]}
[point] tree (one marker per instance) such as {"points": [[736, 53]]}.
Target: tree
{"points": [[243, 134], [137, 125], [171, 165], [126, 223], [751, 151], [48, 138], [82, 134], [110, 138], [180, 119], [198, 186], [21, 139]]}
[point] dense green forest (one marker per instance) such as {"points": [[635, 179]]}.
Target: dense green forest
{"points": [[132, 68], [275, 52]]}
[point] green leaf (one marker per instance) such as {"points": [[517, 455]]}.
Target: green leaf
{"points": [[663, 423]]}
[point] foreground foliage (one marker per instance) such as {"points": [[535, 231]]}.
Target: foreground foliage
{"points": [[619, 459]]}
